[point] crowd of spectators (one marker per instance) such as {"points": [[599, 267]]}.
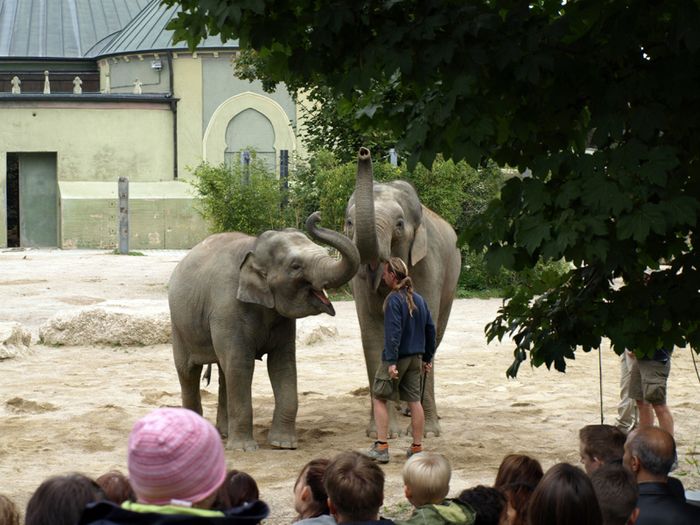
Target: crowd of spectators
{"points": [[177, 474]]}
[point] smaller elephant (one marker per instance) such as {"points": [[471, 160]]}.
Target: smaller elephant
{"points": [[235, 298]]}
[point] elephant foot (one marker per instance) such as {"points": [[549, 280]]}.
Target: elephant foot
{"points": [[282, 439], [432, 428], [223, 432], [245, 445], [394, 431]]}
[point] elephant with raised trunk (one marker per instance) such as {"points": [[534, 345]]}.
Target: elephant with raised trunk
{"points": [[234, 298], [386, 220]]}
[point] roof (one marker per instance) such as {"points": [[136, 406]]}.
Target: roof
{"points": [[147, 32], [61, 28]]}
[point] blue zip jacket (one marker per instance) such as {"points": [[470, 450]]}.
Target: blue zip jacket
{"points": [[406, 335]]}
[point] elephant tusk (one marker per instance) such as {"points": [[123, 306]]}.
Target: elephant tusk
{"points": [[377, 275], [322, 295]]}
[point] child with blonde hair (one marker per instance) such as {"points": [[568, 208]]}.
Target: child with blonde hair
{"points": [[426, 479]]}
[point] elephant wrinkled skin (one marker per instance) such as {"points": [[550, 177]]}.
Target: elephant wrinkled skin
{"points": [[386, 220], [234, 298]]}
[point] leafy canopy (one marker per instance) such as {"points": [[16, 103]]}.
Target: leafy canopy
{"points": [[598, 99]]}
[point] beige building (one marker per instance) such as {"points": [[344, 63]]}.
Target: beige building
{"points": [[95, 90]]}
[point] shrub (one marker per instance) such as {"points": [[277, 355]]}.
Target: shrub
{"points": [[239, 198]]}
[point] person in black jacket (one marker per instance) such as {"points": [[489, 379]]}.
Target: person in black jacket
{"points": [[649, 454]]}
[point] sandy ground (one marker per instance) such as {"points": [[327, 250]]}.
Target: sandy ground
{"points": [[68, 409]]}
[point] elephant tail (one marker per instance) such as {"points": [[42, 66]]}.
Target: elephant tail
{"points": [[206, 376]]}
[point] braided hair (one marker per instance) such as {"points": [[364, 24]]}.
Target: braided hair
{"points": [[400, 270]]}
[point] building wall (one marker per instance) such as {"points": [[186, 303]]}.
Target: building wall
{"points": [[187, 80], [96, 143]]}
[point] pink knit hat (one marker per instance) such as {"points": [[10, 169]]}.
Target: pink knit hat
{"points": [[175, 454]]}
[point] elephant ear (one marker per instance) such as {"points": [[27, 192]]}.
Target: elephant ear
{"points": [[252, 284], [419, 248]]}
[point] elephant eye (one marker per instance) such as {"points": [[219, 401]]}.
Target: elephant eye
{"points": [[295, 266], [400, 224], [349, 223]]}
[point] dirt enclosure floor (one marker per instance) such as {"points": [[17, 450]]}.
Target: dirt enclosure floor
{"points": [[70, 408]]}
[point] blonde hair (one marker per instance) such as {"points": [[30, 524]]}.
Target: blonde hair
{"points": [[399, 268], [427, 475]]}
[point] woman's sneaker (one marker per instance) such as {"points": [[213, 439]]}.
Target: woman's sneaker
{"points": [[414, 449], [379, 452]]}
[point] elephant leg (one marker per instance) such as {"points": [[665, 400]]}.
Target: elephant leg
{"points": [[188, 373], [237, 364], [432, 423], [222, 407], [281, 367], [372, 342]]}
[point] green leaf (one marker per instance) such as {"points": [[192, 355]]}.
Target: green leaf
{"points": [[637, 224], [532, 232], [499, 257]]}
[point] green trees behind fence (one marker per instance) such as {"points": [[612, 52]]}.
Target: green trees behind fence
{"points": [[250, 199]]}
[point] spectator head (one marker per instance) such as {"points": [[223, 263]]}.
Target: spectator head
{"points": [[617, 493], [9, 513], [310, 497], [60, 500], [116, 487], [238, 488], [488, 503], [518, 468], [426, 478], [600, 445], [564, 495], [175, 456], [650, 453], [355, 487], [517, 500]]}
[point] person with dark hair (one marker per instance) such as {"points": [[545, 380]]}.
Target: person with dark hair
{"points": [[649, 454], [355, 487], [517, 477], [564, 495], [237, 489], [116, 487], [488, 503], [310, 497], [518, 468], [617, 493], [176, 465], [600, 445], [409, 347], [9, 513], [60, 500]]}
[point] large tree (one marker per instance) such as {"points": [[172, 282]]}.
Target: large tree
{"points": [[599, 99]]}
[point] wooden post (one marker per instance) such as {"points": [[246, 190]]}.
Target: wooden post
{"points": [[284, 176], [123, 215]]}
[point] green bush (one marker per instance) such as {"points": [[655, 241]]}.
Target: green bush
{"points": [[475, 277], [239, 198]]}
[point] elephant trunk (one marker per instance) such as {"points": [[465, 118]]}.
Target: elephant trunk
{"points": [[333, 273], [365, 232]]}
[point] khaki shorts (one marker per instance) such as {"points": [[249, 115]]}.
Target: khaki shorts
{"points": [[648, 380], [407, 387]]}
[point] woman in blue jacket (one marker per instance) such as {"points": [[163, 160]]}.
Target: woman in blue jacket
{"points": [[409, 347]]}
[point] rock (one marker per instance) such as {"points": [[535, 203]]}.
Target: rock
{"points": [[14, 340], [315, 329], [320, 333], [125, 323]]}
